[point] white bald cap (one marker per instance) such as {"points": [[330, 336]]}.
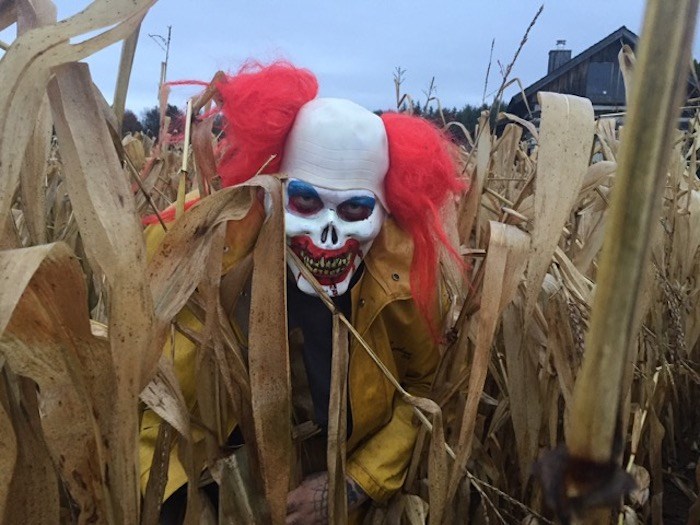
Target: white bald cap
{"points": [[339, 145]]}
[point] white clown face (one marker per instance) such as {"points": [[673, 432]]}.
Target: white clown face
{"points": [[330, 231]]}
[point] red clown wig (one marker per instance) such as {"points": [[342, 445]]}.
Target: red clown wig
{"points": [[259, 108], [260, 104], [422, 176]]}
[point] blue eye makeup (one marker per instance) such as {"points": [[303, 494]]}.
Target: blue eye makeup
{"points": [[297, 188], [303, 198], [365, 202], [356, 208]]}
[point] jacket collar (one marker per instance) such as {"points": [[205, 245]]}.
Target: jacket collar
{"points": [[389, 260], [387, 275]]}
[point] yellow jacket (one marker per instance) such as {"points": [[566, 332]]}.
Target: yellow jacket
{"points": [[383, 312]]}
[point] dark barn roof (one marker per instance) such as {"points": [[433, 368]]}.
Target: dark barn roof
{"points": [[572, 76]]}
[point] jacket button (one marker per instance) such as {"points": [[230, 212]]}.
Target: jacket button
{"points": [[362, 302], [395, 276]]}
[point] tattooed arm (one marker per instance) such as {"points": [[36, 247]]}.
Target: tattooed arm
{"points": [[356, 496], [308, 503]]}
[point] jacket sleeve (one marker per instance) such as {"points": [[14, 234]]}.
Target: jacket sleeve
{"points": [[380, 463]]}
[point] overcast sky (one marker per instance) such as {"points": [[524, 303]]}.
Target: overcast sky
{"points": [[355, 46]]}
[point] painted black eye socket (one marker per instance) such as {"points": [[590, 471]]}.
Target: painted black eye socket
{"points": [[305, 204], [353, 211]]}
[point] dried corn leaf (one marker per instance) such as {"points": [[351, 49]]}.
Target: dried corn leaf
{"points": [[8, 449], [32, 175], [561, 344], [179, 263], [504, 264], [34, 13], [8, 13], [134, 149], [337, 425], [469, 207], [27, 67], [268, 357], [48, 338], [126, 63], [596, 174], [105, 212], [523, 389], [158, 476], [208, 378], [203, 150], [687, 236], [242, 504], [437, 460], [627, 61], [32, 490], [529, 126], [566, 137], [174, 271], [164, 396]]}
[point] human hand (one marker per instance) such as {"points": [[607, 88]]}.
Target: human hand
{"points": [[308, 503]]}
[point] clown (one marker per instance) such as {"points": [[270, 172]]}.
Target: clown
{"points": [[362, 195], [334, 196]]}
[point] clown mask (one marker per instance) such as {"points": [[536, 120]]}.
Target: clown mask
{"points": [[336, 158], [330, 231]]}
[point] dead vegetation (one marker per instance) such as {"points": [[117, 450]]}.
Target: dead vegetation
{"points": [[84, 315]]}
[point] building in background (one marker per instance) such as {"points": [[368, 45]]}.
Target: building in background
{"points": [[594, 74]]}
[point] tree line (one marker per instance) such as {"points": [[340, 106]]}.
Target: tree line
{"points": [[149, 122]]}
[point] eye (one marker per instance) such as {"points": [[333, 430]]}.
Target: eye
{"points": [[305, 204], [356, 209]]}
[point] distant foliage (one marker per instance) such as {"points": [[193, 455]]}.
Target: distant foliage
{"points": [[131, 123], [468, 116], [150, 120]]}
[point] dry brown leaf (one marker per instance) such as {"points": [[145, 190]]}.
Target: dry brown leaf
{"points": [[560, 344], [596, 174], [337, 425], [627, 61], [469, 207], [134, 148], [105, 212], [48, 338], [529, 126], [8, 13], [207, 371], [203, 150], [8, 450], [164, 397], [34, 13], [242, 505], [26, 68], [523, 389], [503, 270], [268, 357], [32, 175], [33, 489], [566, 137], [179, 263]]}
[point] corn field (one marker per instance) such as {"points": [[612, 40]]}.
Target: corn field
{"points": [[85, 311]]}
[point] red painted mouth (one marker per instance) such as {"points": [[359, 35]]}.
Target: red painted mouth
{"points": [[329, 267]]}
